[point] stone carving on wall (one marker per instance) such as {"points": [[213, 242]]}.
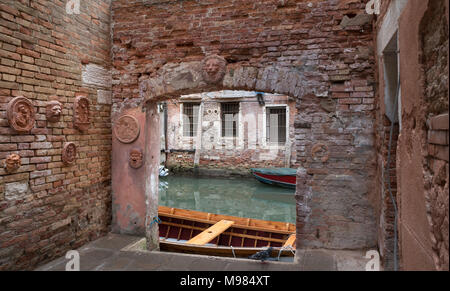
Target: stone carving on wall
{"points": [[136, 158], [81, 113], [320, 152], [69, 153], [213, 69], [21, 114], [127, 129], [12, 163], [53, 111]]}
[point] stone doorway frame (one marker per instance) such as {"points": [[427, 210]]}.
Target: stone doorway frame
{"points": [[176, 79]]}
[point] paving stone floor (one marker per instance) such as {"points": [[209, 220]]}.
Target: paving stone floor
{"points": [[107, 254]]}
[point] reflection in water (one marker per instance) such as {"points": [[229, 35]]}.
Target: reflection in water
{"points": [[237, 197]]}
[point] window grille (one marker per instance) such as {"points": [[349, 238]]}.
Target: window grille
{"points": [[190, 119], [276, 125], [230, 119]]}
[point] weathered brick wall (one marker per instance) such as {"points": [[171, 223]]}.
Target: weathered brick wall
{"points": [[434, 37], [47, 208], [421, 151], [335, 99]]}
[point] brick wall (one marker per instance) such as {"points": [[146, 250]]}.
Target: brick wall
{"points": [[279, 43], [47, 208], [421, 154], [434, 40], [437, 177]]}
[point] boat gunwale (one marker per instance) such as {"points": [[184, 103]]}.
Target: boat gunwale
{"points": [[165, 211], [273, 181], [285, 252]]}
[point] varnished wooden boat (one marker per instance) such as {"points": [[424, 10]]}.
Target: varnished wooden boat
{"points": [[196, 232]]}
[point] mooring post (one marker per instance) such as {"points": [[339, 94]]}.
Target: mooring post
{"points": [[198, 139], [152, 150]]}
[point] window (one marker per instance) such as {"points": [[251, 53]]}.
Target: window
{"points": [[230, 119], [276, 125], [190, 119]]}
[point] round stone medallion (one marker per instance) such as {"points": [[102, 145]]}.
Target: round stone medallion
{"points": [[127, 129], [21, 114]]}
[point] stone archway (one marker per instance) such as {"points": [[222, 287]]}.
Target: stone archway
{"points": [[338, 215], [174, 80]]}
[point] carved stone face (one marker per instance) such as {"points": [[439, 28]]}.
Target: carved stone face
{"points": [[69, 153], [12, 163], [54, 110], [136, 159], [214, 68]]}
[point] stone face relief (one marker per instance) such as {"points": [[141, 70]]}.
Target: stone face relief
{"points": [[12, 163], [53, 111], [213, 70], [69, 153], [21, 114], [136, 158], [81, 113], [127, 129], [320, 151]]}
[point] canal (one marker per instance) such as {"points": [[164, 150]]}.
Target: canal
{"points": [[243, 197]]}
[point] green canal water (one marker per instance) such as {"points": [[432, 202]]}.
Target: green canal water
{"points": [[243, 197]]}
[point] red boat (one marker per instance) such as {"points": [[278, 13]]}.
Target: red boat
{"points": [[283, 177]]}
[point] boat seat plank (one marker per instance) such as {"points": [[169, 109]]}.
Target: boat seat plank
{"points": [[211, 233], [290, 241]]}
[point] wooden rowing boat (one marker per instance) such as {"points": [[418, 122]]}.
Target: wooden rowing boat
{"points": [[283, 177], [196, 232]]}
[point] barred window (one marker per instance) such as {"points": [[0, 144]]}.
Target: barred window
{"points": [[276, 125], [230, 119], [190, 119]]}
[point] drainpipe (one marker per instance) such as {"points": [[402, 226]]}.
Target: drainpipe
{"points": [[389, 177], [166, 146]]}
